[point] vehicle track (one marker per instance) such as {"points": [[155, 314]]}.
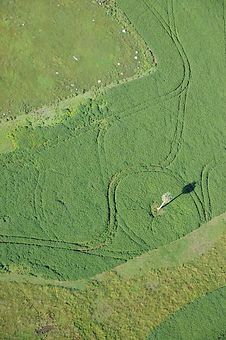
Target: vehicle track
{"points": [[112, 225], [38, 202], [176, 142], [171, 32], [102, 155], [132, 235], [205, 190], [109, 233]]}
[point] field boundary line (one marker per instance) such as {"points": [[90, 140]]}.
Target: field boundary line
{"points": [[137, 263]]}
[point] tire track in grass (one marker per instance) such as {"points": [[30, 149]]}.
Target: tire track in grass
{"points": [[62, 245], [181, 91], [195, 197], [83, 247], [176, 142], [159, 169], [182, 88], [171, 18], [205, 190], [112, 226], [205, 183], [185, 77], [173, 36], [111, 229], [125, 269], [113, 186], [178, 134], [132, 235], [175, 145], [102, 154], [38, 193], [208, 203], [38, 206], [202, 206], [113, 255]]}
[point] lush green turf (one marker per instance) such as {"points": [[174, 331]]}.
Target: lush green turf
{"points": [[170, 255], [123, 303], [178, 252], [44, 208], [54, 49], [82, 189], [76, 196], [202, 319]]}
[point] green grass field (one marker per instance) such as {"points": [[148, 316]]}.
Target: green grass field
{"points": [[78, 182], [127, 302], [91, 204], [202, 319], [45, 58]]}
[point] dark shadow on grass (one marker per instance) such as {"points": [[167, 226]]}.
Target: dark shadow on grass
{"points": [[187, 189]]}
